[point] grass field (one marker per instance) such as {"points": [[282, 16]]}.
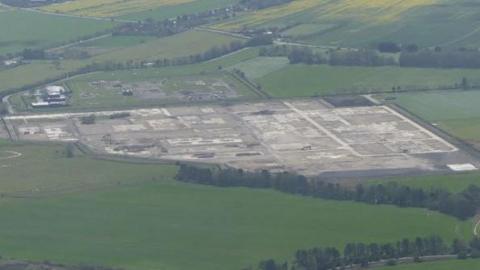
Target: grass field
{"points": [[456, 112], [305, 80], [34, 72], [118, 42], [444, 265], [49, 171], [156, 223], [22, 29], [183, 44], [261, 66]]}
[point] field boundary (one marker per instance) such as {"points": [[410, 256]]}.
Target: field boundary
{"points": [[459, 143]]}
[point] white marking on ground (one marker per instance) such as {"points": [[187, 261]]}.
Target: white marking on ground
{"points": [[462, 167], [11, 155], [476, 229], [321, 128], [453, 148]]}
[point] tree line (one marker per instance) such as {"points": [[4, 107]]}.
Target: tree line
{"points": [[363, 254], [440, 59], [409, 57], [305, 55], [462, 205]]}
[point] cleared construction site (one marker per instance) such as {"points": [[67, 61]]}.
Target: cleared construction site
{"points": [[310, 137]]}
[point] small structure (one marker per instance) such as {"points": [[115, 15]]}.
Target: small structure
{"points": [[51, 96]]}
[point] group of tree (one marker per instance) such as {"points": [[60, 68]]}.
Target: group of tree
{"points": [[356, 255], [462, 205], [360, 57], [441, 59], [392, 47], [33, 54], [305, 55]]}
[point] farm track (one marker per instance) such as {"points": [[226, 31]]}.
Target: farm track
{"points": [[78, 42], [226, 33], [475, 31]]}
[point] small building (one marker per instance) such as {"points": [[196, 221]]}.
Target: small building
{"points": [[51, 96], [55, 93]]}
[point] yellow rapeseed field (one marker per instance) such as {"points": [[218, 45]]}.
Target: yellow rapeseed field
{"points": [[108, 8], [367, 10]]}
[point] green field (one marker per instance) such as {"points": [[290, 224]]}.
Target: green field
{"points": [[444, 265], [456, 112], [310, 80], [49, 170], [118, 42], [133, 216], [183, 44], [36, 71], [22, 29], [261, 66]]}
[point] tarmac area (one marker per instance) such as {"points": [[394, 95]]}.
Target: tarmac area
{"points": [[310, 137]]}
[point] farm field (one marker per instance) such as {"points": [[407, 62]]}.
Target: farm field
{"points": [[35, 72], [108, 8], [135, 9], [23, 29], [364, 22], [183, 44], [261, 66], [51, 172], [154, 225], [170, 11], [457, 113], [443, 265], [118, 42], [311, 80]]}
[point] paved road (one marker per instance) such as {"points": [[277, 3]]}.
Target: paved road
{"points": [[7, 103]]}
